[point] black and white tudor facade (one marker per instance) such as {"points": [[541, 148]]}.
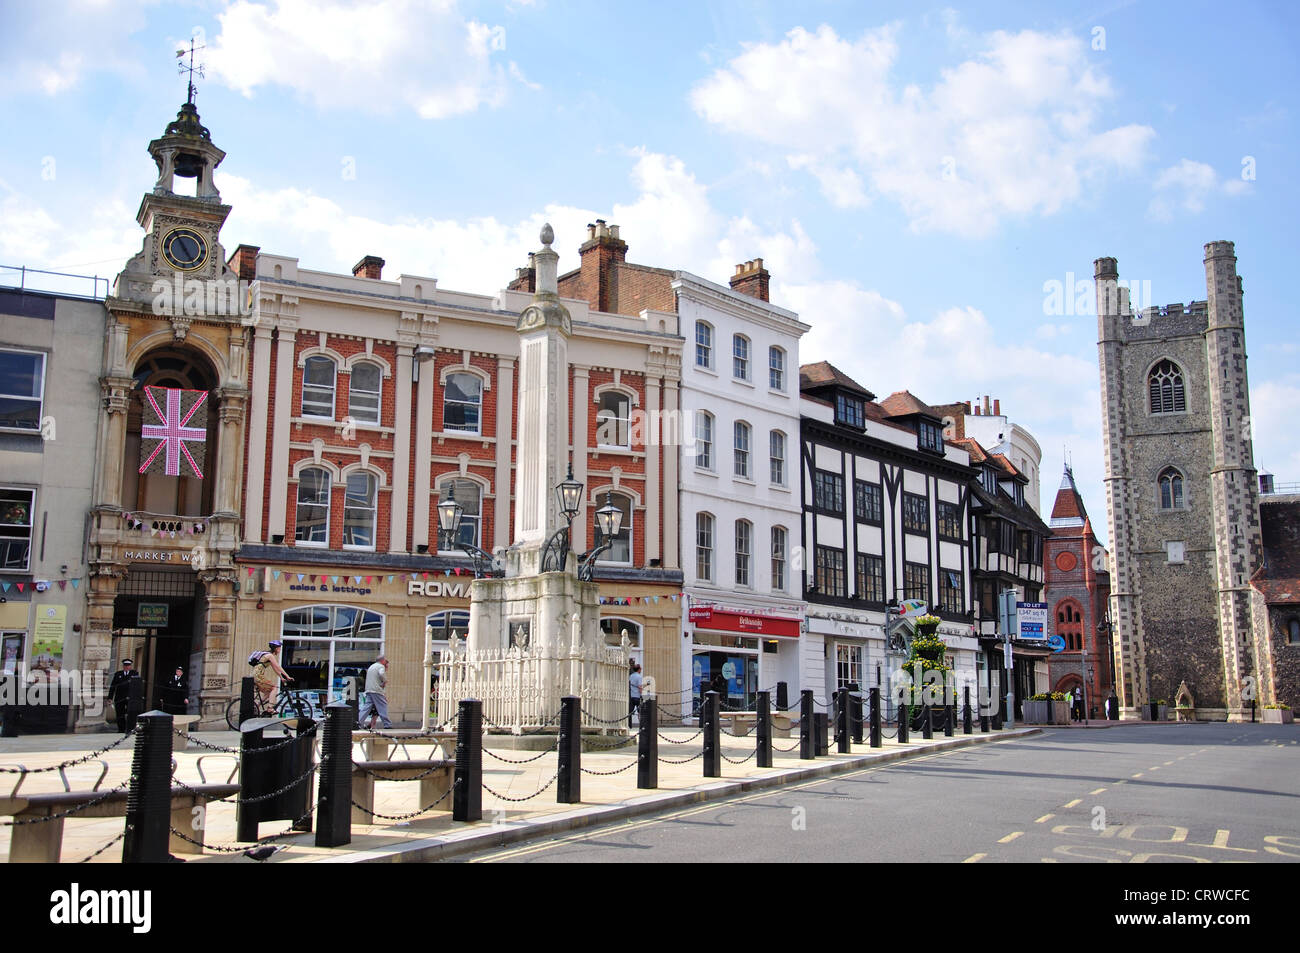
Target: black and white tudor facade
{"points": [[886, 516]]}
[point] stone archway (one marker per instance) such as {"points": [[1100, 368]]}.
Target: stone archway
{"points": [[1184, 703]]}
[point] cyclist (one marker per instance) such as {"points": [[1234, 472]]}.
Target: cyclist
{"points": [[267, 674]]}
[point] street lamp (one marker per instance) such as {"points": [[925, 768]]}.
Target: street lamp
{"points": [[449, 516], [555, 557], [609, 520]]}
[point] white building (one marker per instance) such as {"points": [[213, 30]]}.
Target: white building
{"points": [[740, 494], [998, 434]]}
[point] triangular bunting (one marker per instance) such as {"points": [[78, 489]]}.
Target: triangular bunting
{"points": [[336, 579], [300, 577], [75, 582], [275, 574], [390, 578], [4, 586], [368, 578], [20, 586], [250, 570], [63, 584]]}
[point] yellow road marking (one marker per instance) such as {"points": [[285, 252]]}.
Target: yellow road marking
{"points": [[1138, 775], [1076, 801], [1044, 818], [974, 858], [1098, 791], [1010, 837], [1168, 762]]}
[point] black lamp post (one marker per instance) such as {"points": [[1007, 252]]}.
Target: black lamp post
{"points": [[449, 516], [569, 494], [609, 520]]}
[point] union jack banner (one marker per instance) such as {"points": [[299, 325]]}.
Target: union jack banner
{"points": [[174, 431]]}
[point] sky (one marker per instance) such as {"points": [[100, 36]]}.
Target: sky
{"points": [[927, 184]]}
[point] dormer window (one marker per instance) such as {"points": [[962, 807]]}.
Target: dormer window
{"points": [[929, 436], [848, 411]]}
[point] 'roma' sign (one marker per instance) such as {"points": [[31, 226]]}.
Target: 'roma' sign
{"points": [[174, 431]]}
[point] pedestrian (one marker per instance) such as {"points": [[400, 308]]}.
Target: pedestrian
{"points": [[176, 693], [1112, 706], [376, 706], [119, 693], [634, 683], [267, 674], [719, 684]]}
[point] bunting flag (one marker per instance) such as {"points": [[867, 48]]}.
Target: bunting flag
{"points": [[390, 579], [63, 584], [300, 577], [5, 586], [336, 579], [74, 582], [368, 578], [250, 570], [20, 585], [312, 578], [174, 431], [275, 574]]}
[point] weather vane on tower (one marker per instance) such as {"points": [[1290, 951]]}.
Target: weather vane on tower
{"points": [[182, 67]]}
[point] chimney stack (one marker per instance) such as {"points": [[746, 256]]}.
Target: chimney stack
{"points": [[752, 279], [986, 405], [997, 408], [599, 255], [244, 262], [372, 266], [525, 278]]}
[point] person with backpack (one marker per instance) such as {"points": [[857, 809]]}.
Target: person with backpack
{"points": [[267, 674]]}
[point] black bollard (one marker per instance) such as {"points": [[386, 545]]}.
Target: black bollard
{"points": [[855, 712], [949, 718], [1252, 711], [647, 746], [334, 785], [134, 701], [904, 713], [149, 798], [822, 733], [782, 696], [763, 729], [711, 725], [467, 790], [246, 690], [927, 729], [843, 708], [807, 747], [568, 787], [966, 728], [873, 705], [1154, 711]]}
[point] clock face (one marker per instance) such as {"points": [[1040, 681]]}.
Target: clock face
{"points": [[184, 249]]}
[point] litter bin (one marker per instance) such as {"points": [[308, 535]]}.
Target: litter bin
{"points": [[269, 762]]}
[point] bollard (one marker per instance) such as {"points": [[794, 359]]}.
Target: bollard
{"points": [[904, 713], [149, 798], [467, 791], [782, 696], [246, 690], [334, 785], [568, 786], [711, 726], [927, 729], [1252, 711], [966, 728], [855, 712], [807, 748], [873, 705], [134, 701], [647, 746], [843, 710], [949, 718], [822, 733], [763, 729]]}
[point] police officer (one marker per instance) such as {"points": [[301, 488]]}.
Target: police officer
{"points": [[119, 692]]}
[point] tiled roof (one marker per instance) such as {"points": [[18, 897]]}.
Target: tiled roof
{"points": [[972, 447], [1068, 510], [903, 403], [1279, 576], [824, 373]]}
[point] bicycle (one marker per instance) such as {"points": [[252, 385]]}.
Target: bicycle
{"points": [[287, 705]]}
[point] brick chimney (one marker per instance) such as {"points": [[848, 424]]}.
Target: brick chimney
{"points": [[751, 278], [600, 254], [525, 278], [244, 262], [997, 408], [372, 266]]}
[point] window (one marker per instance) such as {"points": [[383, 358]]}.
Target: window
{"points": [[848, 410], [1069, 625], [313, 519], [742, 450], [363, 393], [829, 571], [929, 436], [1165, 387], [613, 420], [22, 386], [740, 357], [916, 581], [871, 578], [16, 507], [848, 666], [325, 643], [868, 503], [318, 387], [468, 494], [703, 344], [949, 516], [950, 599], [704, 546], [992, 535], [1171, 489], [359, 511], [778, 458], [828, 492], [704, 440], [462, 400], [621, 551], [776, 368], [778, 558], [916, 513], [1293, 632], [1008, 541], [744, 535]]}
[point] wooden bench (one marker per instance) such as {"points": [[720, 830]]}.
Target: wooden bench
{"points": [[42, 842], [435, 778], [378, 746]]}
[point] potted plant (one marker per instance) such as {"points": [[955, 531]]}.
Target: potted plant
{"points": [[1162, 709], [1277, 714], [1046, 708], [928, 655]]}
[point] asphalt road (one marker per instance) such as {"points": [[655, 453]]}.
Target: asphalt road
{"points": [[1139, 794]]}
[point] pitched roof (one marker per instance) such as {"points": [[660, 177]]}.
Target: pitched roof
{"points": [[824, 373], [1068, 510], [903, 403], [1278, 578], [972, 447]]}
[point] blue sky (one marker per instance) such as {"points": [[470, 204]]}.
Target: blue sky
{"points": [[912, 174]]}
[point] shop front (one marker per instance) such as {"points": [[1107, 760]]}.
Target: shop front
{"points": [[650, 613], [738, 653]]}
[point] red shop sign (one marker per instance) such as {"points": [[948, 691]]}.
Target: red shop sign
{"points": [[740, 622]]}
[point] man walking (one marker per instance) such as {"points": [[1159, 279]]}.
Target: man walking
{"points": [[119, 692], [376, 707], [634, 684], [176, 694]]}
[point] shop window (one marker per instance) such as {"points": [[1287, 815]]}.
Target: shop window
{"points": [[364, 388], [318, 387], [359, 511], [313, 518], [324, 645], [462, 401], [612, 628], [16, 506], [22, 390]]}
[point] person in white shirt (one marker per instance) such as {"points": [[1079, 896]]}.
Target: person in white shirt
{"points": [[634, 683], [376, 708]]}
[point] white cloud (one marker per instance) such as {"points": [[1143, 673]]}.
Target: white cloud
{"points": [[101, 240], [372, 56], [1014, 131], [49, 47], [1272, 411], [1186, 187]]}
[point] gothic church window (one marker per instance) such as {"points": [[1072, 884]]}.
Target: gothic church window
{"points": [[1165, 386], [1171, 489]]}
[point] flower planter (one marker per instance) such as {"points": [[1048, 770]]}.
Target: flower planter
{"points": [[1277, 716], [1045, 712]]}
